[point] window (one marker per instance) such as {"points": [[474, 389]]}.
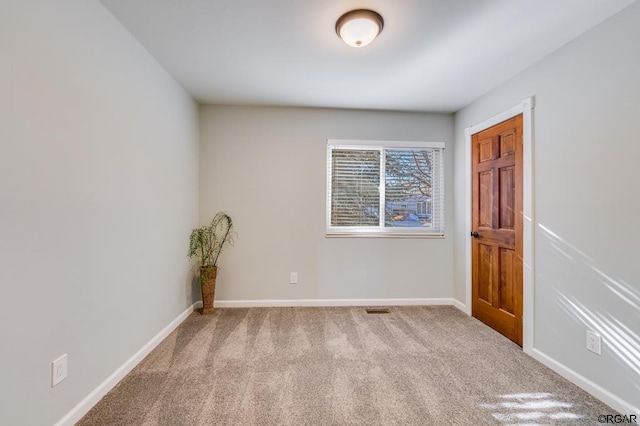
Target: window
{"points": [[421, 208], [385, 188]]}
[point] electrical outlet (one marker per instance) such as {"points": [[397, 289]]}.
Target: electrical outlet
{"points": [[58, 370], [294, 278], [594, 342]]}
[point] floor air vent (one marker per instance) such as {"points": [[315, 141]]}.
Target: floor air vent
{"points": [[377, 311]]}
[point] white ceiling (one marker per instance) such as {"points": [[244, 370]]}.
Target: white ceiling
{"points": [[433, 55]]}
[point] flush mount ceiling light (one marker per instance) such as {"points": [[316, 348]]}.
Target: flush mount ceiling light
{"points": [[359, 27]]}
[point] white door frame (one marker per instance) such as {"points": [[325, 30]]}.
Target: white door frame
{"points": [[526, 109]]}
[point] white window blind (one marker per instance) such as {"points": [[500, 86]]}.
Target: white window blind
{"points": [[385, 188], [355, 177]]}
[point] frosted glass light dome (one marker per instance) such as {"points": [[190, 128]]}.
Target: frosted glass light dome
{"points": [[359, 27]]}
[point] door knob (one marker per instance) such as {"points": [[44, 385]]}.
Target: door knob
{"points": [[474, 234]]}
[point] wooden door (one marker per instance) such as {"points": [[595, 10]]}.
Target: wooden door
{"points": [[497, 227]]}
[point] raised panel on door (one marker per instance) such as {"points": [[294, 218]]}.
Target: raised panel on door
{"points": [[507, 143], [487, 150], [507, 278], [485, 199], [485, 273], [507, 197]]}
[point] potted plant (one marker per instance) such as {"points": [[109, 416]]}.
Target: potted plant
{"points": [[205, 246]]}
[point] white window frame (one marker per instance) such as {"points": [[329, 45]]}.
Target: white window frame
{"points": [[381, 230]]}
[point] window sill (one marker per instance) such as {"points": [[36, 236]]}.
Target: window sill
{"points": [[382, 235]]}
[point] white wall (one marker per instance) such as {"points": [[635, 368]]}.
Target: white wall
{"points": [[586, 199], [98, 193], [267, 168]]}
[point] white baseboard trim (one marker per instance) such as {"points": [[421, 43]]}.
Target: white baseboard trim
{"points": [[92, 399], [269, 303], [615, 402], [458, 304]]}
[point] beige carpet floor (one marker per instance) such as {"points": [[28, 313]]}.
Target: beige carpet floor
{"points": [[341, 366]]}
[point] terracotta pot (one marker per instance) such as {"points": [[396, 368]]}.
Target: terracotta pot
{"points": [[208, 282]]}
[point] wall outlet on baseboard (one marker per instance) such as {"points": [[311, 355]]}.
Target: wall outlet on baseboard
{"points": [[594, 342], [58, 370], [293, 279]]}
